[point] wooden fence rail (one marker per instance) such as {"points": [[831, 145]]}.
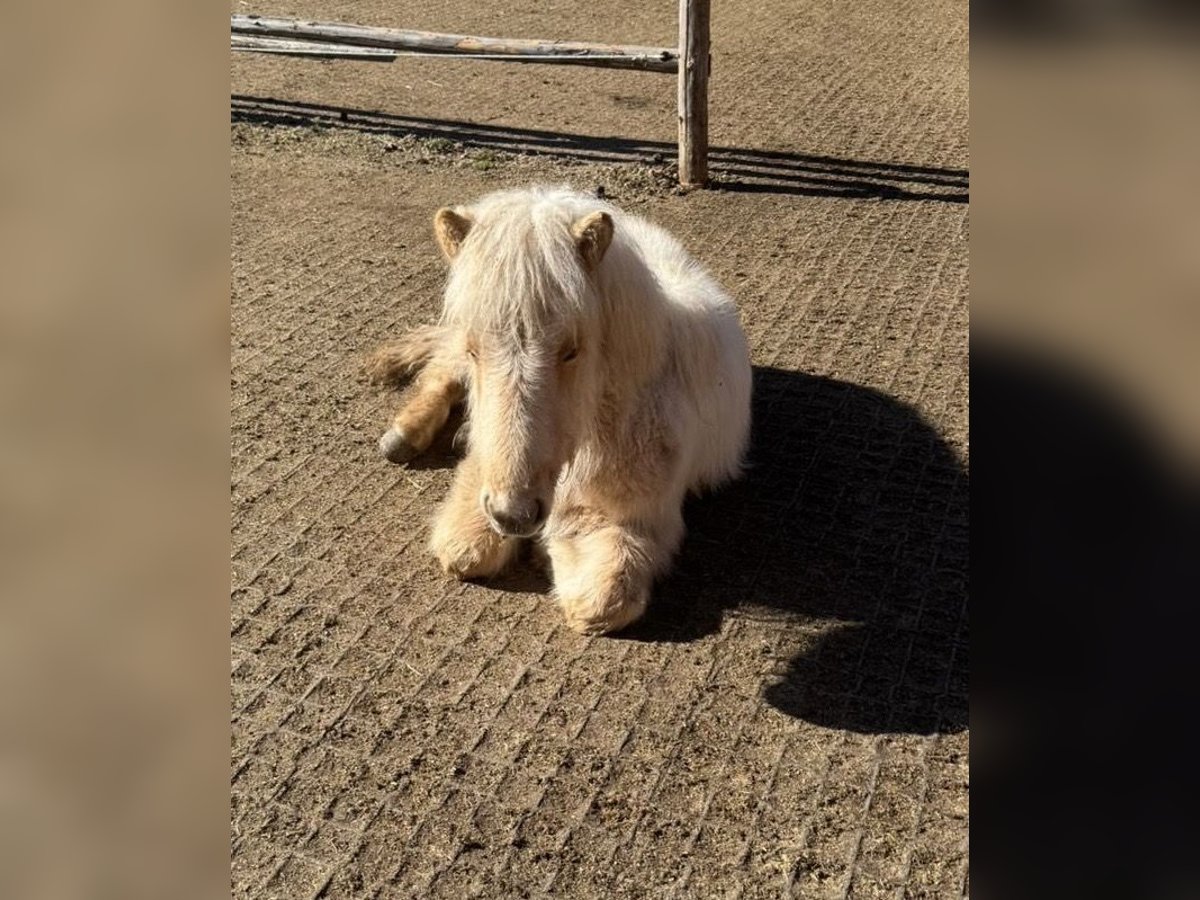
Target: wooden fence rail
{"points": [[612, 56], [690, 61]]}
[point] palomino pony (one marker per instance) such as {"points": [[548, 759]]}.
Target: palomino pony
{"points": [[606, 375]]}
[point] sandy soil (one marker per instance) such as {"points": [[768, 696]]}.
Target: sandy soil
{"points": [[790, 720]]}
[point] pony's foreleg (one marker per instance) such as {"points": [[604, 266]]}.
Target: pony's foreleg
{"points": [[427, 350], [437, 390], [604, 571], [463, 541]]}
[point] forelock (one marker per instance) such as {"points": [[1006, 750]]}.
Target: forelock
{"points": [[519, 268]]}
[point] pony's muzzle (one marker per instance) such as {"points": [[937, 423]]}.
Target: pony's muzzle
{"points": [[513, 516]]}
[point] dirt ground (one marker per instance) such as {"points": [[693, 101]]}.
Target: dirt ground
{"points": [[791, 718]]}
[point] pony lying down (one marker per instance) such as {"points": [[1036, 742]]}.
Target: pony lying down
{"points": [[605, 374]]}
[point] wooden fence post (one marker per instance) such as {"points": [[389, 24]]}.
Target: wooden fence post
{"points": [[693, 92]]}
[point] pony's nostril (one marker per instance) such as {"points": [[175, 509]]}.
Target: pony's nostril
{"points": [[516, 518]]}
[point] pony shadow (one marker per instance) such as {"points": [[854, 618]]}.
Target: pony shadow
{"points": [[850, 526], [850, 532]]}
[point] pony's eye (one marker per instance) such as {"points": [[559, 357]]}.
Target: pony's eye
{"points": [[570, 353]]}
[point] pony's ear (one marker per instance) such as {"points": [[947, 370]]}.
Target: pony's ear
{"points": [[593, 233], [451, 228]]}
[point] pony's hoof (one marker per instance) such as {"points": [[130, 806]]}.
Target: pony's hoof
{"points": [[605, 618], [588, 627], [394, 447], [467, 562]]}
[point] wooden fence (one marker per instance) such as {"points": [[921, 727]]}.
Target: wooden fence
{"points": [[689, 61]]}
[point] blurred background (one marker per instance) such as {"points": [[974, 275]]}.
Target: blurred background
{"points": [[1085, 326]]}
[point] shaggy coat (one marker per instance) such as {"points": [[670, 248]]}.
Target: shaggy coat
{"points": [[606, 375]]}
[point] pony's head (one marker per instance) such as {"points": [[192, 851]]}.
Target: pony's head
{"points": [[521, 298]]}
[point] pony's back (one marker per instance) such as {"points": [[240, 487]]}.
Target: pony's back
{"points": [[707, 349]]}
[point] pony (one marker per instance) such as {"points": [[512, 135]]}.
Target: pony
{"points": [[605, 376]]}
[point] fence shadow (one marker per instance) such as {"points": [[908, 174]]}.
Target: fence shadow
{"points": [[851, 527], [732, 169]]}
